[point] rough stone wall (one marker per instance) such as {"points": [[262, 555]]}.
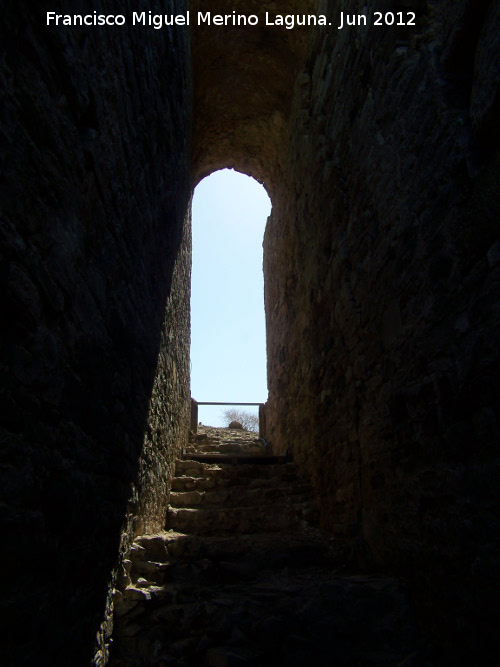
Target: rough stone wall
{"points": [[94, 274], [243, 81], [382, 274]]}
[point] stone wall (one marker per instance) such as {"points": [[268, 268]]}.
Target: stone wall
{"points": [[95, 274], [382, 270], [243, 81]]}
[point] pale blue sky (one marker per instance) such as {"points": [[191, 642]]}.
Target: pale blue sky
{"points": [[228, 346]]}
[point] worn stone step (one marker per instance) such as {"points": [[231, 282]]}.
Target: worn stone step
{"points": [[234, 477], [199, 469], [201, 484], [240, 578], [226, 448], [249, 495], [239, 459], [280, 617], [153, 554], [188, 483], [220, 566], [224, 520]]}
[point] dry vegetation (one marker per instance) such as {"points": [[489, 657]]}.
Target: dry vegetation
{"points": [[249, 421]]}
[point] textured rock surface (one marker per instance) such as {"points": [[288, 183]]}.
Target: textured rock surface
{"points": [[225, 440], [382, 303], [243, 87], [94, 275]]}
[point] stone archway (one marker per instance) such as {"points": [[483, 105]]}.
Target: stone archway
{"points": [[243, 81]]}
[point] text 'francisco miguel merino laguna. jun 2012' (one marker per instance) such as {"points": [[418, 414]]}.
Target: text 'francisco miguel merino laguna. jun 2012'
{"points": [[288, 21]]}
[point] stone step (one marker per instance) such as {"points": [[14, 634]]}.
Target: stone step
{"points": [[170, 546], [236, 519], [226, 448], [243, 497], [156, 559], [187, 483], [239, 459], [224, 469], [239, 578], [229, 480], [281, 616]]}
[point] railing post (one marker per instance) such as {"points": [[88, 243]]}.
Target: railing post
{"points": [[262, 421], [194, 416]]}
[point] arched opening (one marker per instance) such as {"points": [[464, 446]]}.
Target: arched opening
{"points": [[228, 340]]}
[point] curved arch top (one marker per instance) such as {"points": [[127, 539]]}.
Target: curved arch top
{"points": [[243, 80]]}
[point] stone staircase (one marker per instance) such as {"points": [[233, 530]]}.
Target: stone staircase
{"points": [[241, 577]]}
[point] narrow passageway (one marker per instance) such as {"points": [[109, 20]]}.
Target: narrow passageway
{"points": [[378, 147], [241, 576]]}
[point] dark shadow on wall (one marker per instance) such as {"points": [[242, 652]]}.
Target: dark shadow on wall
{"points": [[381, 263], [94, 191]]}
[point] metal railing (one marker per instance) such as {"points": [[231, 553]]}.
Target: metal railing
{"points": [[262, 414]]}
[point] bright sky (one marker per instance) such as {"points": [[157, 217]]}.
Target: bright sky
{"points": [[228, 343]]}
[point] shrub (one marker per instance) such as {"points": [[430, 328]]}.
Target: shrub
{"points": [[249, 421]]}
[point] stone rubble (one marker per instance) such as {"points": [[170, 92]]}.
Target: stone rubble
{"points": [[240, 576]]}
